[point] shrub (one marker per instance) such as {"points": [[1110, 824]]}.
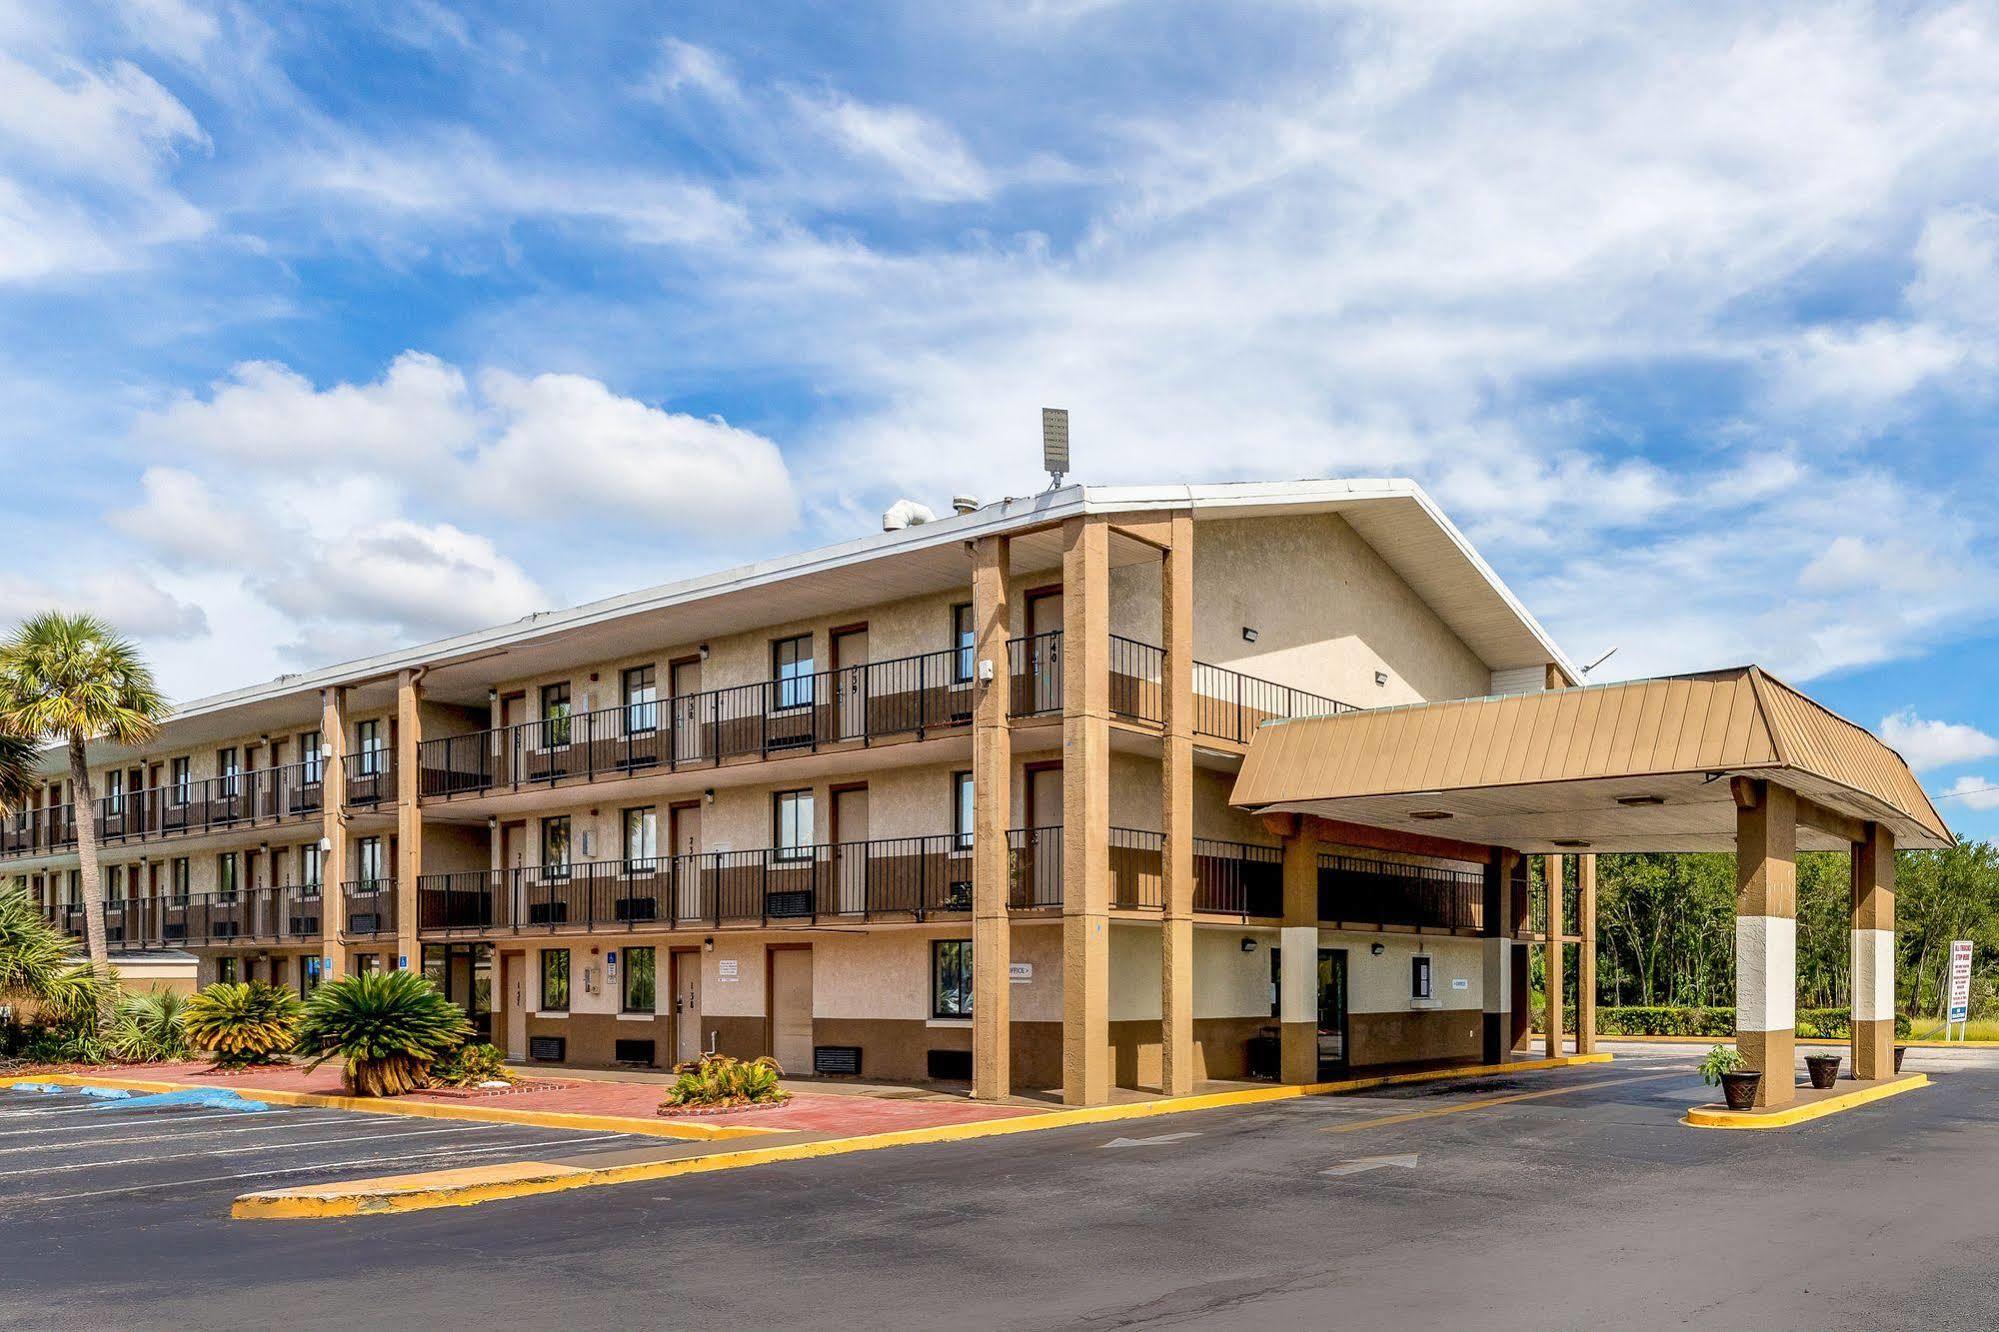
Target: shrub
{"points": [[718, 1080], [1662, 1021], [387, 1028], [469, 1065], [1722, 1059], [240, 1026], [147, 1028]]}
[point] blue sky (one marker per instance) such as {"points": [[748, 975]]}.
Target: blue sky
{"points": [[335, 326]]}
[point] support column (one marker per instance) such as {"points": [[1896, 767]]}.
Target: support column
{"points": [[1298, 976], [992, 798], [1176, 786], [1873, 1038], [409, 816], [1586, 955], [1766, 935], [1086, 813], [1498, 979], [1554, 870], [333, 830]]}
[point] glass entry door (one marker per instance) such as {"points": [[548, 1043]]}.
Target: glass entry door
{"points": [[1332, 1010], [465, 973]]}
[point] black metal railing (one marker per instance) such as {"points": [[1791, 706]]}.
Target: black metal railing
{"points": [[1360, 890], [371, 777], [370, 906], [289, 913], [896, 878], [1229, 705], [1034, 666], [251, 796], [1138, 675], [1230, 878], [31, 832]]}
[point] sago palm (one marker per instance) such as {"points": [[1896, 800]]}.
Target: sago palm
{"points": [[387, 1028], [71, 680], [242, 1025]]}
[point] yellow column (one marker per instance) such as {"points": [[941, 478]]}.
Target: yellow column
{"points": [[1873, 1037], [992, 768], [1176, 785], [1086, 812], [409, 816], [1766, 935], [1553, 871], [1586, 955], [333, 830], [1298, 965]]}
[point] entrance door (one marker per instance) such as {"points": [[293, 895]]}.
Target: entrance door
{"points": [[686, 1006], [513, 994], [850, 683], [1332, 1010], [1038, 870], [683, 835], [683, 682], [850, 851], [791, 1009], [1043, 687]]}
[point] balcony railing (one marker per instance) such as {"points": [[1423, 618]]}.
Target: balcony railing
{"points": [[1359, 890], [371, 777], [371, 908], [37, 831], [253, 915], [1230, 878], [897, 878]]}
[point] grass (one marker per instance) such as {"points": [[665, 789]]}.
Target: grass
{"points": [[1978, 1029]]}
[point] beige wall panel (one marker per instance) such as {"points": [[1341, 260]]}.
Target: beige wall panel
{"points": [[1381, 984], [1228, 983]]}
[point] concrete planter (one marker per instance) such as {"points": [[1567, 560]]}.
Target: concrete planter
{"points": [[1739, 1089]]}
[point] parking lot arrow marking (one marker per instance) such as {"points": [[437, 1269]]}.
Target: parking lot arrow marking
{"points": [[1362, 1164], [1152, 1141]]}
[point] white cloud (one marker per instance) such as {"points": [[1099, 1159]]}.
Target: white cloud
{"points": [[130, 599], [425, 580], [1935, 744], [925, 155], [1979, 793], [181, 519], [683, 66]]}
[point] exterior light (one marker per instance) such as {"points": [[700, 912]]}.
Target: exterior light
{"points": [[1248, 634], [1637, 800], [1429, 814], [1381, 678], [708, 945], [1376, 950], [1249, 945], [704, 652], [709, 795], [1570, 842]]}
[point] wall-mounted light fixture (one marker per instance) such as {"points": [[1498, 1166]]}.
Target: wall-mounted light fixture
{"points": [[1376, 950], [492, 696], [708, 796], [707, 945], [492, 822], [1249, 945], [704, 652], [1248, 634], [1381, 678]]}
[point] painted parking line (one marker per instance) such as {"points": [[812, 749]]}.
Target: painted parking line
{"points": [[411, 1159], [125, 1140], [1487, 1102], [268, 1147], [88, 1123]]}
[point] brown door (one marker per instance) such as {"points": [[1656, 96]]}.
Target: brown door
{"points": [[513, 997], [686, 1005], [850, 683], [683, 834], [690, 715], [1044, 653], [791, 1009], [1038, 872], [850, 850]]}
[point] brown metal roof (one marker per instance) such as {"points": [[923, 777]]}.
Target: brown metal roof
{"points": [[1631, 766]]}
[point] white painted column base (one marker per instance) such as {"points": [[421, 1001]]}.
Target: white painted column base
{"points": [[1766, 970]]}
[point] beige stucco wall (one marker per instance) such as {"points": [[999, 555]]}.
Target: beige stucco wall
{"points": [[1381, 984], [1228, 982]]}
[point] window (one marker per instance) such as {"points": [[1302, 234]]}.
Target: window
{"points": [[791, 670], [114, 882], [951, 978], [230, 769], [368, 964], [309, 970], [964, 637], [183, 781], [555, 980], [225, 970], [555, 714], [640, 973], [1419, 977], [791, 825], [555, 847], [961, 808], [308, 753], [641, 701], [309, 864], [177, 878], [641, 839], [114, 793], [368, 866], [369, 749], [226, 867]]}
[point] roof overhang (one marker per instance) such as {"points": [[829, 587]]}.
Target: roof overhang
{"points": [[1644, 765]]}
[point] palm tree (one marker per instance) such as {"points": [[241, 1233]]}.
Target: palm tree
{"points": [[36, 960], [18, 755], [70, 679]]}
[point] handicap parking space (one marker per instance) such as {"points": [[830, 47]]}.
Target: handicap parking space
{"points": [[69, 1151]]}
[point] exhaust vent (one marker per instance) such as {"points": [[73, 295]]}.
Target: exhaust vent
{"points": [[963, 504], [906, 513]]}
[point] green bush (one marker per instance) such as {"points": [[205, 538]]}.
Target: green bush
{"points": [[240, 1026], [470, 1064], [386, 1027], [1824, 1024], [718, 1080], [147, 1028]]}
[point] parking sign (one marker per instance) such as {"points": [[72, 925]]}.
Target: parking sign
{"points": [[1960, 981]]}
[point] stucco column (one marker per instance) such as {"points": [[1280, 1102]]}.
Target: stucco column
{"points": [[1873, 1037], [1554, 869], [409, 816], [1176, 788], [1086, 812], [1766, 935], [1586, 955], [992, 766], [333, 830], [1298, 967], [1497, 982]]}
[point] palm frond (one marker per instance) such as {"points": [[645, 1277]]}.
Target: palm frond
{"points": [[65, 676], [18, 776]]}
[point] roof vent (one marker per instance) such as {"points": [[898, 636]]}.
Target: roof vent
{"points": [[906, 513], [963, 504]]}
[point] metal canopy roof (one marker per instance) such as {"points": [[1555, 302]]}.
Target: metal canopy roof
{"points": [[1636, 766]]}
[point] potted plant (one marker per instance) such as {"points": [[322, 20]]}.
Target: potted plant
{"points": [[1824, 1069], [1724, 1064]]}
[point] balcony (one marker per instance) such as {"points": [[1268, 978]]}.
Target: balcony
{"points": [[1230, 878], [1238, 879], [890, 879], [255, 915], [37, 832], [1364, 891]]}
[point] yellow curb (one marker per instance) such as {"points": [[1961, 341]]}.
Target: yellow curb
{"points": [[556, 1119], [478, 1184], [1718, 1117]]}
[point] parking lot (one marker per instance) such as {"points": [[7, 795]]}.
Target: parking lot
{"points": [[75, 1154]]}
